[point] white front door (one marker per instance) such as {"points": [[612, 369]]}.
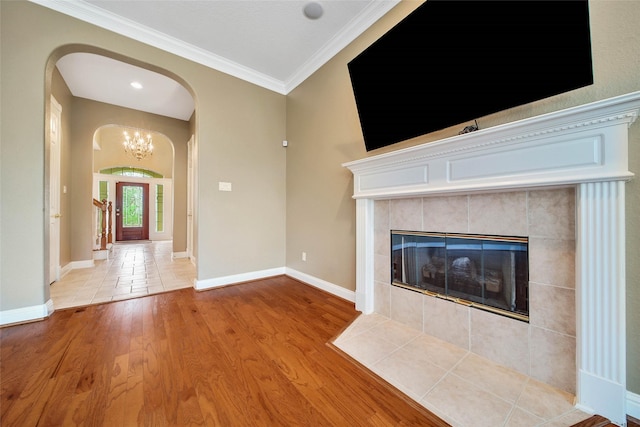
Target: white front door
{"points": [[54, 191]]}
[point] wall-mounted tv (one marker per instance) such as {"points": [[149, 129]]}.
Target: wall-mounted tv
{"points": [[452, 62]]}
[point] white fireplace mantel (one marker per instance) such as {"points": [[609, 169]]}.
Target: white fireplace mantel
{"points": [[586, 147]]}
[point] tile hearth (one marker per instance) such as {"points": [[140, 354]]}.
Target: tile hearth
{"points": [[464, 389]]}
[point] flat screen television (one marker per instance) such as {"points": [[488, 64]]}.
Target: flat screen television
{"points": [[452, 62]]}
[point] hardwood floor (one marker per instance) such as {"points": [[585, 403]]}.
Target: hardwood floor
{"points": [[257, 354], [598, 421], [250, 355]]}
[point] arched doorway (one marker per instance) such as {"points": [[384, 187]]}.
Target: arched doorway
{"points": [[83, 116]]}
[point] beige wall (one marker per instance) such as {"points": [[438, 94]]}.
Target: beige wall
{"points": [[323, 132], [239, 129]]}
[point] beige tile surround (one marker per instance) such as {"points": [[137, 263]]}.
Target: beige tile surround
{"points": [[543, 349]]}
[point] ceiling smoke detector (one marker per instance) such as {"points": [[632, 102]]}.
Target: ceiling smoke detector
{"points": [[313, 10]]}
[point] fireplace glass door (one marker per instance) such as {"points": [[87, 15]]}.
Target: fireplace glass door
{"points": [[489, 272]]}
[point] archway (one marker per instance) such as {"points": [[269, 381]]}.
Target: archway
{"points": [[83, 117]]}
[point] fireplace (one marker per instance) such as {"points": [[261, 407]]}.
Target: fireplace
{"points": [[482, 271], [583, 149]]}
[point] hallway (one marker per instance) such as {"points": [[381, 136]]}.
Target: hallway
{"points": [[132, 270]]}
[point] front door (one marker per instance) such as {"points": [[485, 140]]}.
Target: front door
{"points": [[132, 211]]}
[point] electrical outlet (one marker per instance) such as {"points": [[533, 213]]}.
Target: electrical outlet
{"points": [[304, 256]]}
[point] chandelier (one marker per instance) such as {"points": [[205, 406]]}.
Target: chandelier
{"points": [[138, 146]]}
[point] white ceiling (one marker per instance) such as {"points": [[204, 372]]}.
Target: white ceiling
{"points": [[270, 43], [104, 79]]}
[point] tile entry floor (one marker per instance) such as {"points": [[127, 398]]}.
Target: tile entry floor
{"points": [[460, 387], [133, 269]]}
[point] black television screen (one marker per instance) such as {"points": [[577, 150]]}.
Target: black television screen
{"points": [[453, 62]]}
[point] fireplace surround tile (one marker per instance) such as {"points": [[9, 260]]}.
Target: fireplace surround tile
{"points": [[498, 213], [383, 241], [381, 227], [402, 214], [449, 322], [552, 261], [551, 267], [553, 308], [552, 213], [383, 298], [381, 271], [555, 359], [446, 214], [406, 307], [500, 339]]}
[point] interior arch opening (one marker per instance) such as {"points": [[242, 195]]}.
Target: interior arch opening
{"points": [[98, 103]]}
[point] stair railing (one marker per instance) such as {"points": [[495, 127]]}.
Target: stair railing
{"points": [[105, 217]]}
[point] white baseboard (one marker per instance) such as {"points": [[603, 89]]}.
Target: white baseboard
{"points": [[633, 405], [101, 254], [65, 270], [237, 278], [26, 314], [334, 289], [88, 263], [176, 255]]}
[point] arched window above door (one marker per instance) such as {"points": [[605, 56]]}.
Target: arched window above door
{"points": [[129, 171]]}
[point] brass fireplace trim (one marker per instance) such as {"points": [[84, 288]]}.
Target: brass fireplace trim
{"points": [[466, 303], [495, 238]]}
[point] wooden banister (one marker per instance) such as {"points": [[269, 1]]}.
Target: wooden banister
{"points": [[110, 219], [104, 207]]}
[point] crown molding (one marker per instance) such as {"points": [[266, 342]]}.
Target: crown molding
{"points": [[128, 28], [104, 19]]}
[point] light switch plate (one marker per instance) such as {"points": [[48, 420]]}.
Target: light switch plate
{"points": [[224, 186]]}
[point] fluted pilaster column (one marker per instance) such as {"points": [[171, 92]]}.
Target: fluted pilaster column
{"points": [[601, 298], [364, 255]]}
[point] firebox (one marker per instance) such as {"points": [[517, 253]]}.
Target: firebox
{"points": [[483, 271]]}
